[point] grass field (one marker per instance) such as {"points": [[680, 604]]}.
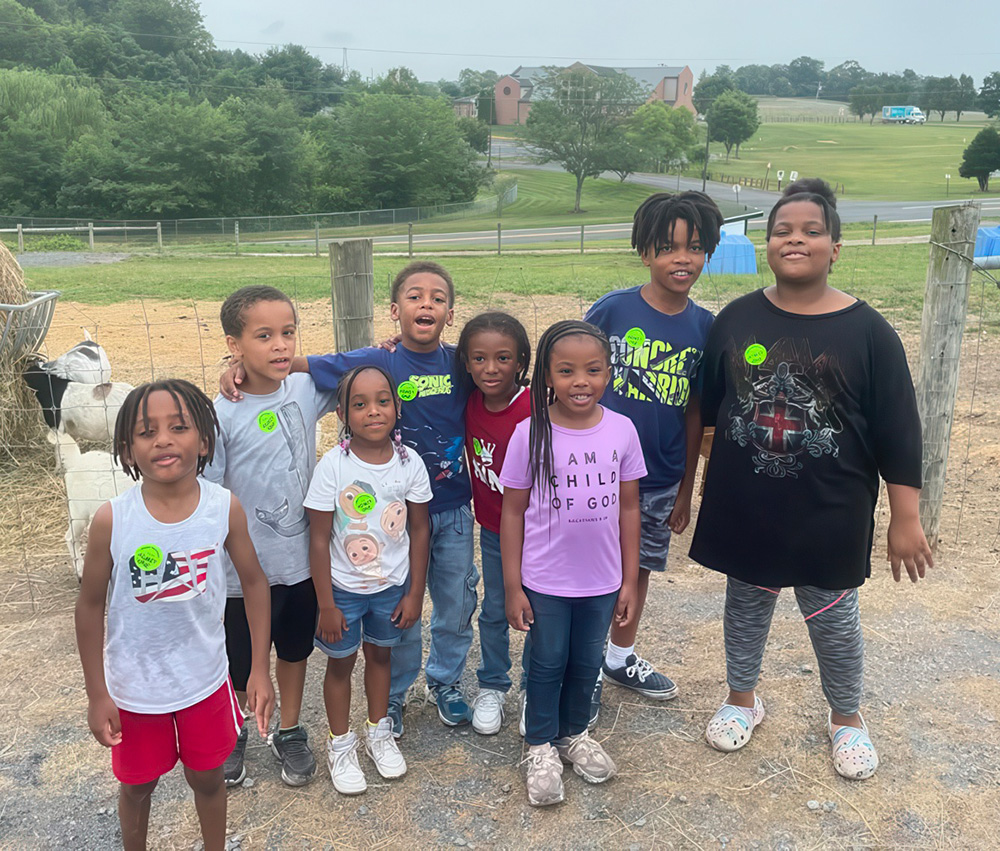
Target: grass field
{"points": [[891, 277], [879, 161]]}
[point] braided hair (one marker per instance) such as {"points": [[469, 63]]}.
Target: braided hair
{"points": [[540, 428], [344, 389], [502, 323], [190, 401]]}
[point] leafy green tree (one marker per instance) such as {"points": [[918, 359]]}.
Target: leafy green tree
{"points": [[662, 134], [395, 151], [732, 119], [575, 120], [982, 157], [709, 87], [475, 132], [753, 79], [841, 79], [164, 26], [965, 97], [989, 95], [472, 82], [25, 39], [867, 99], [806, 75]]}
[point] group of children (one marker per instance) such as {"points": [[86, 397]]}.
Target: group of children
{"points": [[578, 479]]}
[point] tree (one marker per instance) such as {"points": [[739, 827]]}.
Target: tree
{"points": [[989, 95], [475, 131], [472, 82], [709, 87], [165, 26], [575, 120], [965, 96], [867, 99], [843, 78], [805, 74], [661, 134], [982, 157], [940, 94], [395, 151], [732, 119], [753, 79]]}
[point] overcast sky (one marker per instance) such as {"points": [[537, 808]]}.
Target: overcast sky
{"points": [[437, 39]]}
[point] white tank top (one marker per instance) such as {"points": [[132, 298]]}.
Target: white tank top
{"points": [[166, 647]]}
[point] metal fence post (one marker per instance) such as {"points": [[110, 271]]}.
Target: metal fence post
{"points": [[236, 233], [498, 239], [874, 227], [581, 238], [159, 237], [90, 234], [409, 236], [20, 238], [317, 239]]}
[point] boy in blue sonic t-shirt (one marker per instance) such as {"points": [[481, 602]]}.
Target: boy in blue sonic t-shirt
{"points": [[433, 391], [657, 338]]}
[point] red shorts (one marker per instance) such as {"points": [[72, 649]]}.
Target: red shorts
{"points": [[202, 736]]}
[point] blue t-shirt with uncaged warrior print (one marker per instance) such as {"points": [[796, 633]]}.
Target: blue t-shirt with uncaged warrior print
{"points": [[433, 389], [655, 362]]}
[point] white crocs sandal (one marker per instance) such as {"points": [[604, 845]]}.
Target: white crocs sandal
{"points": [[854, 755], [732, 726]]}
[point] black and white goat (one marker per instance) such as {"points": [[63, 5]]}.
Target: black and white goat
{"points": [[75, 394]]}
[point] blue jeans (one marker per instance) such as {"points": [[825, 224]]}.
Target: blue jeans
{"points": [[494, 637], [567, 641], [451, 581]]}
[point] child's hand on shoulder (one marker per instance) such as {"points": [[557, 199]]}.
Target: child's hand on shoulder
{"points": [[907, 546], [519, 613], [407, 611], [625, 605], [104, 721], [390, 343], [332, 624], [230, 379]]}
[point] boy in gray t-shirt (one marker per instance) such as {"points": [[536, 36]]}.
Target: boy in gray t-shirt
{"points": [[266, 454]]}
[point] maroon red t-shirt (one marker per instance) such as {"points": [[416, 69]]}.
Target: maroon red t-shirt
{"points": [[487, 434]]}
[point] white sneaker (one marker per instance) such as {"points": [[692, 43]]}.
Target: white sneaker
{"points": [[342, 760], [487, 714], [382, 748], [524, 705]]}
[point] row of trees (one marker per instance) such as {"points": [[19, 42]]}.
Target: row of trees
{"points": [[867, 91], [125, 109], [982, 157]]}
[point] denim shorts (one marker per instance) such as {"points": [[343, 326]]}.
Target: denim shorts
{"points": [[654, 537], [368, 619]]}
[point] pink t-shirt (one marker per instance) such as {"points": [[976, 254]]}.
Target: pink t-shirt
{"points": [[571, 536]]}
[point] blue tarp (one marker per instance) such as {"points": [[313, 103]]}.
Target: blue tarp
{"points": [[988, 242], [734, 256]]}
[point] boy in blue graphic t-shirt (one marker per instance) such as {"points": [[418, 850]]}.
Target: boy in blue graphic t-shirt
{"points": [[657, 338], [433, 391]]}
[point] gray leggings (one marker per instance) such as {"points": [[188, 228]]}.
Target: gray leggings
{"points": [[834, 623]]}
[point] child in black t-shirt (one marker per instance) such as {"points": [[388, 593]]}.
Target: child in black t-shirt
{"points": [[812, 400]]}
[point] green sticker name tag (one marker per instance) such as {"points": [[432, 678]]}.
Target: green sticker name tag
{"points": [[364, 503], [755, 354], [148, 557], [635, 337], [267, 421], [407, 391]]}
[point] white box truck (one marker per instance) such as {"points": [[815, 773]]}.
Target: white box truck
{"points": [[902, 115]]}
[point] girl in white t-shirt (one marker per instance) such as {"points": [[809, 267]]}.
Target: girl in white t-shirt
{"points": [[158, 687], [369, 539]]}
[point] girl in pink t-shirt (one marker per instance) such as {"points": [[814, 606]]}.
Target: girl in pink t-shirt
{"points": [[494, 349], [569, 537]]}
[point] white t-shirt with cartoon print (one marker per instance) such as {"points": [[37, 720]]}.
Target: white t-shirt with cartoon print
{"points": [[369, 547]]}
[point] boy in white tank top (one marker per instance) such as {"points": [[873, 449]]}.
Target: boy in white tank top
{"points": [[158, 687]]}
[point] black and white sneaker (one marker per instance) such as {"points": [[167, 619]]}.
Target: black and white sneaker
{"points": [[233, 769], [638, 675], [298, 765]]}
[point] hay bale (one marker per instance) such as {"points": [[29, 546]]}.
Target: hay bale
{"points": [[20, 416], [12, 288]]}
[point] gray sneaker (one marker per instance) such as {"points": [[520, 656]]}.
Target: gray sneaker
{"points": [[544, 780], [234, 770], [587, 757], [298, 765]]}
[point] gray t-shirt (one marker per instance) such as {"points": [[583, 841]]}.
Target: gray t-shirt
{"points": [[265, 455]]}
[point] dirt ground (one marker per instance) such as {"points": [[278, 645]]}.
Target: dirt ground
{"points": [[933, 699]]}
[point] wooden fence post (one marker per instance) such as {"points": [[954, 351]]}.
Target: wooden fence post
{"points": [[946, 300], [352, 278]]}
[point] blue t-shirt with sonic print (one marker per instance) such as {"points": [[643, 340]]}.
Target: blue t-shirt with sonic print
{"points": [[655, 368], [433, 388]]}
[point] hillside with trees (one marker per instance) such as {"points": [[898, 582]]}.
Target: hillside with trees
{"points": [[126, 109]]}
